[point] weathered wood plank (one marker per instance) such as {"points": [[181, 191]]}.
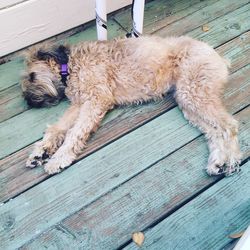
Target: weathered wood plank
{"points": [[221, 13], [11, 103], [14, 137], [181, 15], [237, 51], [109, 222], [15, 178], [161, 13], [81, 184], [229, 25], [157, 13], [10, 72], [208, 220]]}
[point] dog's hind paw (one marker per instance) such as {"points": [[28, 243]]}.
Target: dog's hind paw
{"points": [[226, 170], [230, 170]]}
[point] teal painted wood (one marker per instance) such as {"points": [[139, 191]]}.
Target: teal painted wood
{"points": [[217, 12], [237, 51], [157, 13], [11, 102], [109, 222], [10, 72], [238, 90], [208, 220], [52, 200], [15, 178], [30, 125], [230, 25], [19, 126], [114, 30], [27, 127]]}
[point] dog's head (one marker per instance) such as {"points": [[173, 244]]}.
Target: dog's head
{"points": [[41, 83]]}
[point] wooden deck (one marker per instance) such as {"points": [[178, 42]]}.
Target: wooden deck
{"points": [[143, 169]]}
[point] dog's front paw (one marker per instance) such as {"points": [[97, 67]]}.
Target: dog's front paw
{"points": [[52, 167], [38, 157], [56, 165], [226, 169]]}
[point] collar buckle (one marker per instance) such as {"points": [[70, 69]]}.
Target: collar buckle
{"points": [[64, 72]]}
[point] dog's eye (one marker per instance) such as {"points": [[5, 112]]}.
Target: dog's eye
{"points": [[32, 76]]}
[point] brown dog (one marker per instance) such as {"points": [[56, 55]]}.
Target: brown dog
{"points": [[96, 76]]}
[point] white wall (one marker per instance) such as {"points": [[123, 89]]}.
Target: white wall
{"points": [[24, 22]]}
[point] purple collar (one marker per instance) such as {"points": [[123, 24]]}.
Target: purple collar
{"points": [[64, 73]]}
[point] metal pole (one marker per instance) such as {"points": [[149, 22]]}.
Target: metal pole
{"points": [[101, 19], [138, 14]]}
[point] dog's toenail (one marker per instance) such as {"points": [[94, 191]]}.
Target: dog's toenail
{"points": [[220, 170], [45, 155]]}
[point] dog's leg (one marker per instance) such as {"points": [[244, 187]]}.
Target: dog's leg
{"points": [[206, 111], [53, 138], [90, 116]]}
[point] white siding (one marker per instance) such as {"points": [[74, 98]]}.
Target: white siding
{"points": [[25, 22], [8, 3]]}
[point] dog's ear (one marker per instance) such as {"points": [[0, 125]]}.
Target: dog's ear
{"points": [[58, 53]]}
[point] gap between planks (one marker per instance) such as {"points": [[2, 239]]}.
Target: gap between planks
{"points": [[201, 223]]}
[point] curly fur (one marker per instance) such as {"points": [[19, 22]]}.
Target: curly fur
{"points": [[124, 71]]}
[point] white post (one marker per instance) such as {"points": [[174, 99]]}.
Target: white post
{"points": [[138, 14], [101, 19]]}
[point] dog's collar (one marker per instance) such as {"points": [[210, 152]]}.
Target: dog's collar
{"points": [[64, 73]]}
